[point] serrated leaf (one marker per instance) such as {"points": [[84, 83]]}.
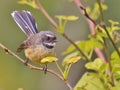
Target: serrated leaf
{"points": [[95, 65], [28, 2], [71, 58], [48, 60], [90, 81]]}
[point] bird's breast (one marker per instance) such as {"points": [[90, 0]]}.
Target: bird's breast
{"points": [[38, 53]]}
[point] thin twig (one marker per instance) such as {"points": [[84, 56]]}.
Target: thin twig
{"points": [[109, 63], [104, 26], [87, 16], [35, 67], [83, 9], [114, 45]]}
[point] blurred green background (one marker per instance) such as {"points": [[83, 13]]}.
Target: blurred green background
{"points": [[13, 73]]}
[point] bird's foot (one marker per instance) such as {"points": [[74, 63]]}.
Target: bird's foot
{"points": [[45, 69], [26, 62]]}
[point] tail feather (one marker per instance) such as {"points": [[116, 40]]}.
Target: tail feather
{"points": [[25, 21]]}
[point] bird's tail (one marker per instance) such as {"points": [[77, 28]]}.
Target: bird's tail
{"points": [[25, 21]]}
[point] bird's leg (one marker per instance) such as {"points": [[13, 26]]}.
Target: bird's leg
{"points": [[45, 69], [26, 62]]}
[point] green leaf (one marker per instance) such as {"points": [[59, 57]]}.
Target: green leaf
{"points": [[86, 46], [116, 87], [95, 42], [48, 60], [88, 9], [69, 50], [71, 58], [63, 21], [115, 55], [95, 65], [95, 12], [100, 31], [114, 26], [90, 81], [68, 18], [116, 67], [114, 22], [59, 17], [28, 2], [104, 6]]}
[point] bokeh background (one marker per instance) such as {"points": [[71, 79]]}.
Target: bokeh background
{"points": [[13, 73]]}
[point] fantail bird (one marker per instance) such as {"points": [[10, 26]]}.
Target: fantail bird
{"points": [[38, 44]]}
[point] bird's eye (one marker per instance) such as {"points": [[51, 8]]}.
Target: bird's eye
{"points": [[48, 38]]}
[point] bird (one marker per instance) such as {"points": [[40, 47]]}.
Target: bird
{"points": [[38, 45]]}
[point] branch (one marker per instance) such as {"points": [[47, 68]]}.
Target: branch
{"points": [[92, 25], [114, 45], [104, 26], [35, 67]]}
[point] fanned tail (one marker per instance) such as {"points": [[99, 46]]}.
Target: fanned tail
{"points": [[25, 21]]}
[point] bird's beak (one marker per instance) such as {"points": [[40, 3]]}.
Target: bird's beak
{"points": [[55, 40]]}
